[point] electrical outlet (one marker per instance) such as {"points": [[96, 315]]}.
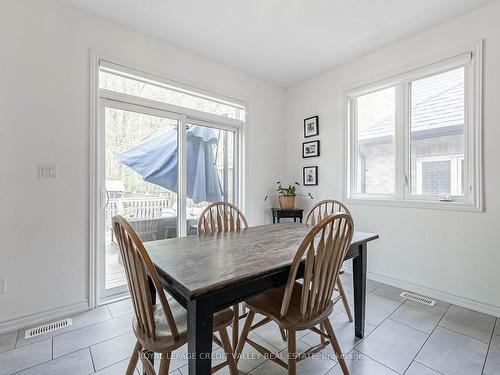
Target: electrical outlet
{"points": [[3, 285]]}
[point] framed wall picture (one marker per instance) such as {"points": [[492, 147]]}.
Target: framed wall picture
{"points": [[311, 126], [310, 176], [310, 149]]}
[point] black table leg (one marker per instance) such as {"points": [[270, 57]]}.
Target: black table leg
{"points": [[359, 281], [200, 328]]}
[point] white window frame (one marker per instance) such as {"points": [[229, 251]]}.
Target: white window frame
{"points": [[469, 57], [101, 98]]}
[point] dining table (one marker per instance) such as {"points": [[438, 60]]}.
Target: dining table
{"points": [[208, 273]]}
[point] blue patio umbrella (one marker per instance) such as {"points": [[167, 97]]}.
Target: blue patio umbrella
{"points": [[156, 161]]}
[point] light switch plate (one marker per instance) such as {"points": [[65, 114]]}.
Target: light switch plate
{"points": [[3, 285], [48, 172]]}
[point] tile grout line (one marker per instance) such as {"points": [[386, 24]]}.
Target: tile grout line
{"points": [[489, 345], [388, 318], [374, 360], [111, 338], [43, 363], [335, 362], [427, 339], [406, 325], [430, 368], [109, 310], [253, 368], [359, 343], [58, 334], [92, 359], [17, 337], [429, 334], [463, 334], [97, 343], [376, 326], [279, 351], [83, 327]]}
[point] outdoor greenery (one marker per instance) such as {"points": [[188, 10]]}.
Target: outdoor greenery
{"points": [[163, 94], [126, 129]]}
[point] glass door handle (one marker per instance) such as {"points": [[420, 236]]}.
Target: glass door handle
{"points": [[106, 200]]}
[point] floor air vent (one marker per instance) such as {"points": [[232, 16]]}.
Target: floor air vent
{"points": [[417, 298], [46, 328]]}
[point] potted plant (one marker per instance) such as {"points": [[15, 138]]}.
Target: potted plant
{"points": [[287, 194]]}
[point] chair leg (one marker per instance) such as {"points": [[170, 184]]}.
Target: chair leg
{"points": [[283, 334], [292, 353], [164, 363], [229, 351], [322, 329], [344, 299], [133, 360], [244, 334], [236, 324], [147, 366], [336, 346]]}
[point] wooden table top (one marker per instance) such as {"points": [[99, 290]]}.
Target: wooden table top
{"points": [[200, 264]]}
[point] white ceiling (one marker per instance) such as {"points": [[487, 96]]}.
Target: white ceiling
{"points": [[281, 41]]}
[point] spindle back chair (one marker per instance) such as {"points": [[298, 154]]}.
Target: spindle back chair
{"points": [[221, 217], [224, 217], [319, 211], [159, 328], [299, 306], [324, 208]]}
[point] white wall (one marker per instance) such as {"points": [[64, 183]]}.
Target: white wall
{"points": [[45, 120], [452, 255]]}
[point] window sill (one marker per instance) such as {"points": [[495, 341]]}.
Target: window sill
{"points": [[423, 204]]}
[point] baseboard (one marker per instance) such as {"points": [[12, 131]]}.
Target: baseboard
{"points": [[433, 293], [41, 317]]}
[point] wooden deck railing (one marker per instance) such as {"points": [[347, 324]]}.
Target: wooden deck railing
{"points": [[137, 207]]}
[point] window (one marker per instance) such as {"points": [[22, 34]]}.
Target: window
{"points": [[440, 175], [119, 79], [437, 134], [414, 138], [376, 125]]}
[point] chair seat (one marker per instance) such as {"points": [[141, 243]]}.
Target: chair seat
{"points": [[164, 341], [269, 305]]}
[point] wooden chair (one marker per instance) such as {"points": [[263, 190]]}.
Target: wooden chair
{"points": [[324, 208], [221, 217], [318, 212], [160, 328], [225, 217], [296, 307]]}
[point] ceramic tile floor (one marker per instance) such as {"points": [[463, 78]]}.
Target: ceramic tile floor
{"points": [[402, 337]]}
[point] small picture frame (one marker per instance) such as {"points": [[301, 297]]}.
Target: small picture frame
{"points": [[310, 149], [311, 126], [310, 176]]}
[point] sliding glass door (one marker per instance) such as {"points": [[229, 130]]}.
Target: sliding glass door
{"points": [[210, 169], [161, 154], [159, 170], [139, 181]]}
